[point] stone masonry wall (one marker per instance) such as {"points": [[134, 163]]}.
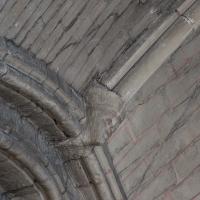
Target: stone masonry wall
{"points": [[81, 38], [156, 150]]}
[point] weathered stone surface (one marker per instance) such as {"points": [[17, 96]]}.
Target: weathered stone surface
{"points": [[50, 26], [65, 135], [34, 17], [189, 189], [19, 23], [100, 34], [104, 109], [164, 181], [13, 14]]}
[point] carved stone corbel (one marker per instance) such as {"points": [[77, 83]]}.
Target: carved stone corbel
{"points": [[104, 113]]}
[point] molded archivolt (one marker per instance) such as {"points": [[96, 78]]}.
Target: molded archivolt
{"points": [[35, 158], [37, 114], [31, 78]]}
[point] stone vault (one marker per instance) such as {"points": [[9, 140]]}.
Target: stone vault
{"points": [[99, 100]]}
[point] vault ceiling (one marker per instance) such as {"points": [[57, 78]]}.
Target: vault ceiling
{"points": [[99, 99], [79, 39]]}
